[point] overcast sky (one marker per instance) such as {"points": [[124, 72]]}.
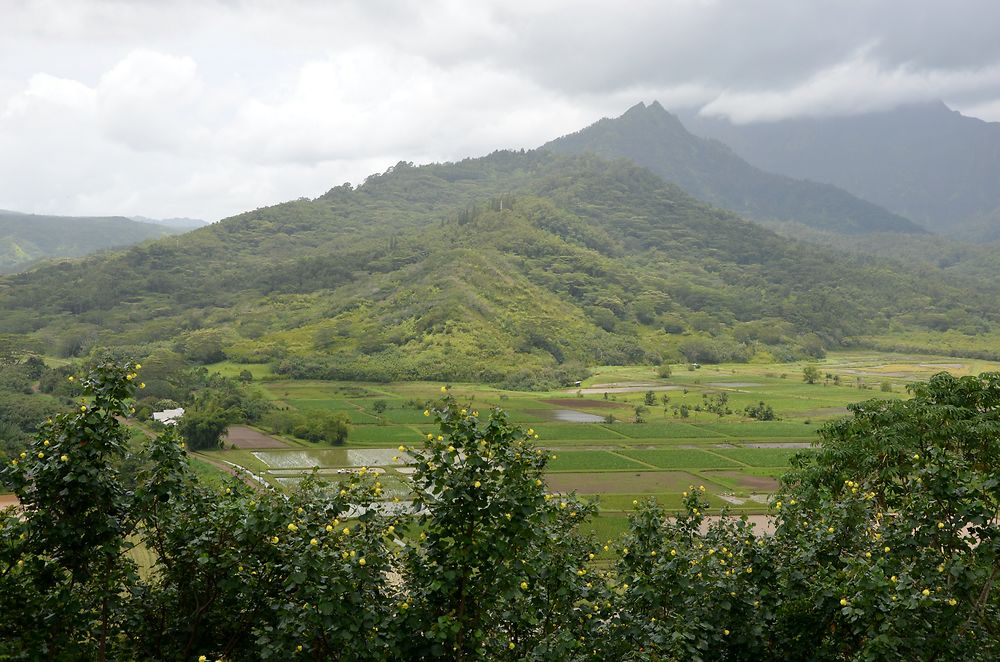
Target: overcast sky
{"points": [[207, 108]]}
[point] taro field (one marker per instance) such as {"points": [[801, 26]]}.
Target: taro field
{"points": [[622, 435]]}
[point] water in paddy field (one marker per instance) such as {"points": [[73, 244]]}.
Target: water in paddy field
{"points": [[573, 416], [330, 457]]}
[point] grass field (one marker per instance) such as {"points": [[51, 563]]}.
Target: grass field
{"points": [[738, 459]]}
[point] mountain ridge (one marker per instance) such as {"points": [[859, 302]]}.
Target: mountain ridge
{"points": [[711, 171], [26, 239], [514, 268], [925, 161]]}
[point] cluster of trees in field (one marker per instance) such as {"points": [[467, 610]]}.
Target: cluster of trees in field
{"points": [[423, 273], [885, 547]]}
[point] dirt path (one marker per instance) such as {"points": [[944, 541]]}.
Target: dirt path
{"points": [[229, 469]]}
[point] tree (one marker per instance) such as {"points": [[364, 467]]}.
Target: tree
{"points": [[64, 570], [203, 428], [810, 374]]}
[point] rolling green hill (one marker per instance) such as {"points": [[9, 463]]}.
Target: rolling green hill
{"points": [[27, 238], [710, 171], [515, 267]]}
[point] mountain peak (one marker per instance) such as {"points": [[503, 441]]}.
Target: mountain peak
{"points": [[652, 137]]}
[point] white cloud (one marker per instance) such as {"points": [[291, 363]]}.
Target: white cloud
{"points": [[855, 86], [210, 107], [151, 101], [984, 110]]}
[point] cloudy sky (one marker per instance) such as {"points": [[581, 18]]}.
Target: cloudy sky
{"points": [[206, 108]]}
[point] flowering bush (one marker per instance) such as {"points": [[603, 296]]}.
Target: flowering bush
{"points": [[885, 546]]}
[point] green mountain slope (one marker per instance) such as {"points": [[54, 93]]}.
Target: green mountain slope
{"points": [[710, 171], [924, 161], [514, 267], [27, 238]]}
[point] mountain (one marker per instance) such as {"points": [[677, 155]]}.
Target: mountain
{"points": [[182, 223], [924, 161], [517, 268], [27, 238], [710, 171]]}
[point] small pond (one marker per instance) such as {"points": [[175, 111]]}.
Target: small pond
{"points": [[574, 416]]}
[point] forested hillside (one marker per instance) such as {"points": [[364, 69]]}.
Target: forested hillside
{"points": [[710, 171], [28, 238], [515, 267]]}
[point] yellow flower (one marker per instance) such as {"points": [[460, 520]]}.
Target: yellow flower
{"points": [[538, 482], [293, 528], [361, 561], [524, 586], [71, 378], [45, 443], [444, 389], [925, 592], [440, 438], [511, 645], [940, 525], [329, 528], [346, 531], [887, 549], [427, 412], [83, 407], [41, 455], [313, 542], [843, 602], [477, 484], [64, 458], [391, 529], [138, 366], [830, 530], [953, 602], [202, 658], [402, 449], [142, 384], [274, 539], [725, 632], [463, 412]]}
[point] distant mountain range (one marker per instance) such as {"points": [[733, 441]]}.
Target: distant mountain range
{"points": [[27, 238], [652, 137], [924, 161], [181, 223]]}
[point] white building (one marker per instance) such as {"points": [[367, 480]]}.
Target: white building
{"points": [[168, 416]]}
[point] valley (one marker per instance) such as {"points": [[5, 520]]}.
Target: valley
{"points": [[737, 459]]}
